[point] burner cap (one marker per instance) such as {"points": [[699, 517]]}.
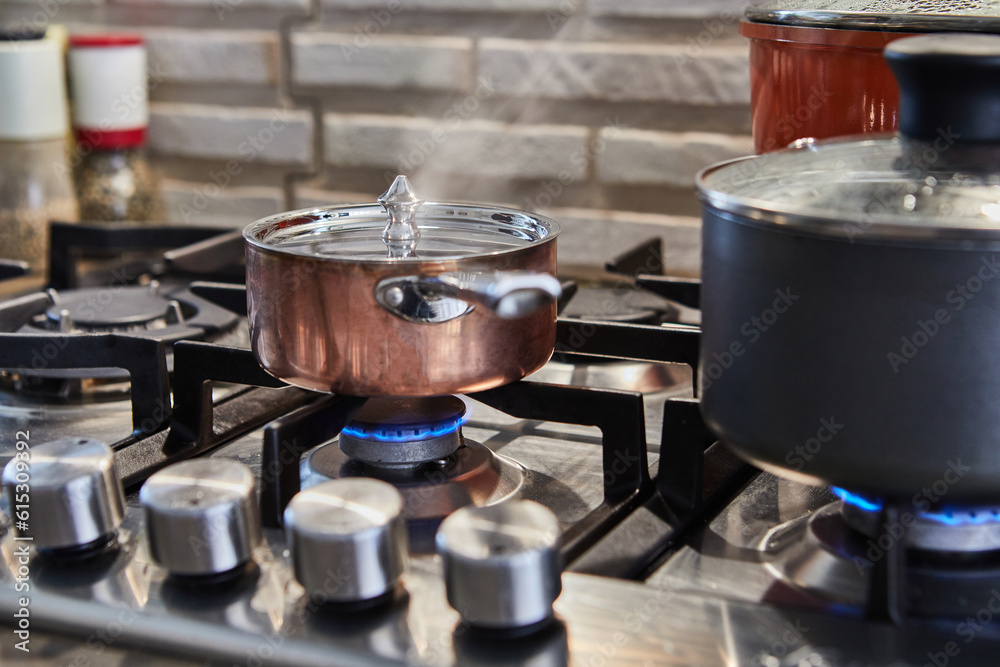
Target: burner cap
{"points": [[623, 303], [407, 419], [105, 308], [400, 432], [942, 529]]}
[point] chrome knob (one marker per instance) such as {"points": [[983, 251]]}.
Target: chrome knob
{"points": [[201, 516], [69, 490], [347, 539], [501, 563]]}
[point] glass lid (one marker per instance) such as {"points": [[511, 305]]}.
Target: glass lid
{"points": [[875, 188], [400, 227], [940, 179], [894, 15]]}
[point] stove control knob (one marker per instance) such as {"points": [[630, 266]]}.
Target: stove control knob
{"points": [[201, 516], [70, 492], [347, 539], [502, 565]]}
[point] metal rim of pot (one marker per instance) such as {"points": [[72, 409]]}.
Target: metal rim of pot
{"points": [[817, 221], [258, 233], [940, 16]]}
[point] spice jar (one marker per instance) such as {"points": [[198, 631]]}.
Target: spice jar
{"points": [[113, 179], [34, 182]]}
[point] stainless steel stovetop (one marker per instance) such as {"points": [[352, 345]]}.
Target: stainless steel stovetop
{"points": [[718, 600], [759, 572]]}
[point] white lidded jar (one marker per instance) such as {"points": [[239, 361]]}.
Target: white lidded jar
{"points": [[113, 180], [35, 185]]}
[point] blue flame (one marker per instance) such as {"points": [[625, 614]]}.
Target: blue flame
{"points": [[964, 518], [409, 433], [856, 500], [948, 517]]}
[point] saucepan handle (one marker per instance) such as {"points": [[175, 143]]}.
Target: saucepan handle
{"points": [[448, 296]]}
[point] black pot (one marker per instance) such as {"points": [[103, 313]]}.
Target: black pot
{"points": [[851, 293]]}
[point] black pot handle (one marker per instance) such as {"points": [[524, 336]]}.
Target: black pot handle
{"points": [[949, 86]]}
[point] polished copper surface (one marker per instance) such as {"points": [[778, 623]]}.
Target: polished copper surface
{"points": [[413, 411], [315, 323]]}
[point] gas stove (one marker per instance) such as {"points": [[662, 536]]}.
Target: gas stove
{"points": [[672, 551]]}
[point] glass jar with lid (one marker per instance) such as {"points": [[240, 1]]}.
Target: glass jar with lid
{"points": [[108, 79], [35, 185]]}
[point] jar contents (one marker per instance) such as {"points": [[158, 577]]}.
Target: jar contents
{"points": [[116, 185]]}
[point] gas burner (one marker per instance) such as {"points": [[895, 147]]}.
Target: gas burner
{"points": [[942, 530], [620, 303], [404, 432], [417, 445], [95, 309], [823, 556], [145, 310], [149, 311]]}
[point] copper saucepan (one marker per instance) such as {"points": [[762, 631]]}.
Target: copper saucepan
{"points": [[440, 299]]}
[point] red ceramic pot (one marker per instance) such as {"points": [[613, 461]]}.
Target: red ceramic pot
{"points": [[818, 82]]}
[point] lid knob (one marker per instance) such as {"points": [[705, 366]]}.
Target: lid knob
{"points": [[502, 566], [347, 539], [949, 87], [401, 233], [201, 516], [76, 496]]}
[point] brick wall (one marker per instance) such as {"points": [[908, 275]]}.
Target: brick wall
{"points": [[598, 112]]}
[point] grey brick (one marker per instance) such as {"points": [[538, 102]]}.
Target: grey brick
{"points": [[222, 7], [246, 135], [382, 61], [673, 9], [479, 147], [678, 73], [451, 5], [639, 157], [42, 5], [205, 204], [213, 56], [306, 197]]}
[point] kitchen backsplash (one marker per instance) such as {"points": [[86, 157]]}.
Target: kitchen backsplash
{"points": [[598, 112]]}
